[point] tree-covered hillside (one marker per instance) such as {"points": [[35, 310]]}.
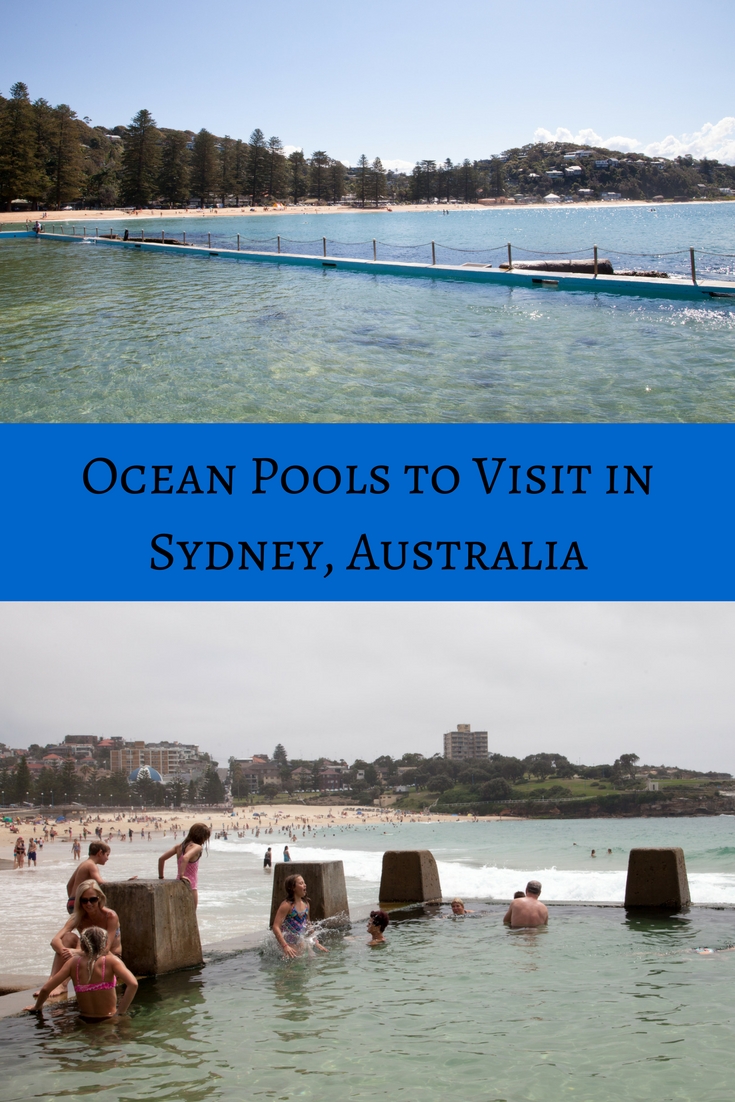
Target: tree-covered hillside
{"points": [[50, 158]]}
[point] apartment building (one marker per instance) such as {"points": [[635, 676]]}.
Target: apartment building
{"points": [[464, 744], [167, 757]]}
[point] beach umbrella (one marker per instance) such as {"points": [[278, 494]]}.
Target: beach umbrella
{"points": [[61, 819]]}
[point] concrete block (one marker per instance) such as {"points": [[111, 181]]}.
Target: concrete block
{"points": [[657, 877], [325, 882], [409, 876], [158, 925]]}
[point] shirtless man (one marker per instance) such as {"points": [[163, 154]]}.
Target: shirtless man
{"points": [[99, 854], [527, 911]]}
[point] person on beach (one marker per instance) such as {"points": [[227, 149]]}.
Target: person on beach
{"points": [[286, 854], [376, 928], [76, 849], [291, 925], [95, 972], [519, 895], [32, 853], [527, 911], [267, 858], [90, 909], [187, 854], [19, 853], [99, 855]]}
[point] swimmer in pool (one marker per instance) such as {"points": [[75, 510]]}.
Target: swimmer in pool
{"points": [[458, 908], [527, 911], [95, 973], [291, 925], [376, 928]]}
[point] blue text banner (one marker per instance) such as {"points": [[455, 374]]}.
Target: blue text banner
{"points": [[367, 512]]}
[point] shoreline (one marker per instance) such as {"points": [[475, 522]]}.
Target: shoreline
{"points": [[116, 215], [163, 823]]}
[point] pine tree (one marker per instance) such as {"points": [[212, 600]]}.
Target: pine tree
{"points": [[141, 160], [297, 164], [256, 164], [336, 180], [318, 166], [227, 178], [212, 789], [240, 158], [280, 757], [173, 181], [204, 167], [467, 181], [275, 167], [447, 178], [21, 174], [497, 178], [377, 181], [22, 782], [65, 167], [363, 179]]}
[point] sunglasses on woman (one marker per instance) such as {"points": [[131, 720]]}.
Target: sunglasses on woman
{"points": [[90, 899]]}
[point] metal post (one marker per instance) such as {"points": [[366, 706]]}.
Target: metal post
{"points": [[694, 267], [279, 242], [162, 238], [184, 236], [142, 235], [209, 241], [375, 249], [510, 257], [595, 261], [96, 231], [324, 246], [84, 231], [238, 242], [433, 253]]}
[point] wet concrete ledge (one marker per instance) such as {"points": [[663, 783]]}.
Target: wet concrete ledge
{"points": [[671, 288]]}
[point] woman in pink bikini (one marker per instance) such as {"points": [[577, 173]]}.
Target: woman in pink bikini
{"points": [[95, 974], [187, 855]]}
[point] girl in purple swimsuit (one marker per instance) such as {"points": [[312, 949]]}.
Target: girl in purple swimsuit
{"points": [[94, 973], [187, 856], [291, 925]]}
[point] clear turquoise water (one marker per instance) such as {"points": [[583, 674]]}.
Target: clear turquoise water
{"points": [[95, 335], [596, 1008]]}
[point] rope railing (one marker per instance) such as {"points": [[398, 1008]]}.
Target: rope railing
{"points": [[680, 262]]}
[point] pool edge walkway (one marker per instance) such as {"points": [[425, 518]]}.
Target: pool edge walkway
{"points": [[528, 279]]}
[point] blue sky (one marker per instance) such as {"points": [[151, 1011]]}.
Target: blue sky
{"points": [[400, 80]]}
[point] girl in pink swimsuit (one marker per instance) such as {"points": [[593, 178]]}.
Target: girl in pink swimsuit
{"points": [[97, 998], [187, 855]]}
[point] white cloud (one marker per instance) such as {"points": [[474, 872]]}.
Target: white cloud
{"points": [[398, 166], [715, 140], [586, 137]]}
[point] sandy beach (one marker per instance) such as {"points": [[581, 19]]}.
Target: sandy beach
{"points": [[172, 825], [14, 217]]}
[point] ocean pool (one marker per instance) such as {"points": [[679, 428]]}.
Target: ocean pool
{"points": [[597, 1007], [95, 335], [483, 860]]}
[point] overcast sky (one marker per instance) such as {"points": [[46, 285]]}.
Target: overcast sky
{"points": [[590, 681], [399, 79]]}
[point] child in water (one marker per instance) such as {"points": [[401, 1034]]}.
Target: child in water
{"points": [[94, 972], [291, 925], [187, 855], [376, 927]]}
